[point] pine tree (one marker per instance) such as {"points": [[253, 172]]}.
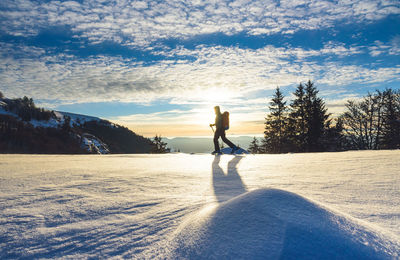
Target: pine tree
{"points": [[297, 121], [254, 146], [391, 120], [333, 138], [159, 146], [316, 118], [66, 126], [275, 136]]}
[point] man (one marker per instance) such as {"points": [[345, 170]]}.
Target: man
{"points": [[220, 132]]}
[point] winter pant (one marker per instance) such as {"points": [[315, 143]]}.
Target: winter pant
{"points": [[221, 133]]}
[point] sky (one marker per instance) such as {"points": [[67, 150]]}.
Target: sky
{"points": [[159, 67]]}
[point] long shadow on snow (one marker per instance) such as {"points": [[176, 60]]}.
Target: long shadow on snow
{"points": [[227, 186]]}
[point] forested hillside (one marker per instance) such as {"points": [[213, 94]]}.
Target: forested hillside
{"points": [[25, 128]]}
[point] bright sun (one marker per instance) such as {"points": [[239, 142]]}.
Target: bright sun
{"points": [[215, 96], [212, 97]]}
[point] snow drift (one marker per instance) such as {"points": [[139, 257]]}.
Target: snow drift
{"points": [[274, 224]]}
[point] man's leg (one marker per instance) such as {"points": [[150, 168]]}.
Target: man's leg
{"points": [[216, 136], [231, 145]]}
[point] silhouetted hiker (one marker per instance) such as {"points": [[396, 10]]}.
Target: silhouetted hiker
{"points": [[220, 132]]}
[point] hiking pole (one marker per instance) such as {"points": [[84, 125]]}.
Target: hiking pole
{"points": [[214, 132]]}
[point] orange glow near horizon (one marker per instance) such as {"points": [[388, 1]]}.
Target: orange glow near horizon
{"points": [[192, 130], [194, 122]]}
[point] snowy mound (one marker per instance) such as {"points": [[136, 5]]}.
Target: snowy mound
{"points": [[228, 150], [76, 118], [273, 224]]}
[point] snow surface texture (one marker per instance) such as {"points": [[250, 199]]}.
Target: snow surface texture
{"points": [[323, 205], [275, 224]]}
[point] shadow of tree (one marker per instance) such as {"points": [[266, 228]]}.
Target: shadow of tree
{"points": [[227, 186]]}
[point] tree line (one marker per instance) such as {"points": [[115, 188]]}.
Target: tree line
{"points": [[25, 108], [304, 125]]}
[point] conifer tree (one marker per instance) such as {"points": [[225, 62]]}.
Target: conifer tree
{"points": [[66, 126], [391, 120], [254, 146], [297, 120], [333, 138], [159, 146], [316, 118], [275, 136]]}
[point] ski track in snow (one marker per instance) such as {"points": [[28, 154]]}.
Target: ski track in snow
{"points": [[141, 206]]}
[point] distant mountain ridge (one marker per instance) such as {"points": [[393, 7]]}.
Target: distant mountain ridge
{"points": [[25, 128]]}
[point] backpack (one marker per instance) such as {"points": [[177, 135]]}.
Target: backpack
{"points": [[225, 120]]}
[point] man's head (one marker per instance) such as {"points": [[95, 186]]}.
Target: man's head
{"points": [[217, 110]]}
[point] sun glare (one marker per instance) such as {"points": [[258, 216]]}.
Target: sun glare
{"points": [[204, 116], [215, 96]]}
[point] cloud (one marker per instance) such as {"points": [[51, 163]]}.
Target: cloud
{"points": [[140, 23], [390, 48], [204, 75], [344, 75], [338, 105]]}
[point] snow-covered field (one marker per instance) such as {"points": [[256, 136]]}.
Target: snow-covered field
{"points": [[323, 205]]}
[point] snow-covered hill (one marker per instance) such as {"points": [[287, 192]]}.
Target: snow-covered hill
{"points": [[54, 122], [29, 129], [180, 206], [276, 224], [58, 119]]}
